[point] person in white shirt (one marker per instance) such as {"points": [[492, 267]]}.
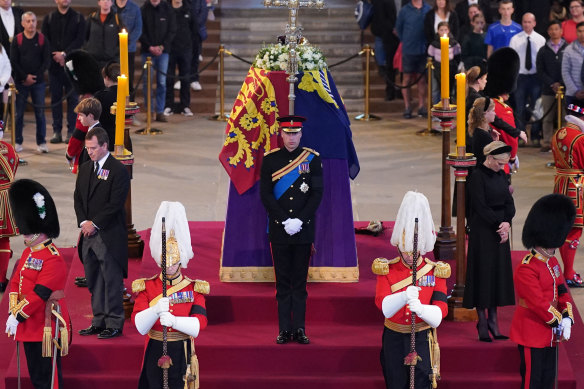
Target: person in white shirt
{"points": [[527, 43]]}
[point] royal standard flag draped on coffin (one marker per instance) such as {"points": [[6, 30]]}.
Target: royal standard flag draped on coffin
{"points": [[252, 128]]}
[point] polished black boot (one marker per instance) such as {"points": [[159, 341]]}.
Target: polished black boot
{"points": [[493, 325]]}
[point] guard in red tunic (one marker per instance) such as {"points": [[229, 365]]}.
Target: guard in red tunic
{"points": [[36, 300], [543, 316], [398, 298], [8, 166], [505, 112], [182, 312], [568, 149]]}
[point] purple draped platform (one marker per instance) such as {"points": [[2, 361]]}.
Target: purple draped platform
{"points": [[246, 251]]}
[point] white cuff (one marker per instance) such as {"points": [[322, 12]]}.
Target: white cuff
{"points": [[145, 320], [188, 325]]}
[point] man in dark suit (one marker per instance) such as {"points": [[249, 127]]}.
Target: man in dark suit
{"points": [[100, 194], [291, 187], [10, 18]]}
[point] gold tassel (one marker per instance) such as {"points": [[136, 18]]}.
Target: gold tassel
{"points": [[195, 369], [64, 341], [47, 345]]}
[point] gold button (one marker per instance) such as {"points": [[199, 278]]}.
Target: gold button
{"points": [[291, 198], [407, 320], [291, 186], [407, 313], [290, 160], [170, 310]]}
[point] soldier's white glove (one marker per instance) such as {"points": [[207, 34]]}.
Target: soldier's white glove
{"points": [[292, 226], [187, 325], [163, 305], [11, 325], [145, 320], [431, 314], [566, 325], [394, 302], [167, 319], [411, 293]]}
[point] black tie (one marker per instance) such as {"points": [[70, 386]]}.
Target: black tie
{"points": [[528, 63]]}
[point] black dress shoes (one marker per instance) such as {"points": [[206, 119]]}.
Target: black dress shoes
{"points": [[3, 286], [91, 330], [109, 333], [300, 336], [283, 337], [81, 282]]}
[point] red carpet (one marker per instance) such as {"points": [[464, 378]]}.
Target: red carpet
{"points": [[237, 350]]}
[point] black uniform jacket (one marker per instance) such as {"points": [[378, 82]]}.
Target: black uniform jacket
{"points": [[300, 200]]}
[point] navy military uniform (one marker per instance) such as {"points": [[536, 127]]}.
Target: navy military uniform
{"points": [[291, 187]]}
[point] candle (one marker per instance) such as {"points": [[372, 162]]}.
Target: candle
{"points": [[124, 56], [445, 68], [121, 110], [460, 110]]}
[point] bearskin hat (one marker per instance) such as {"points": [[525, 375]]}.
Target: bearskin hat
{"points": [[178, 235], [503, 68], [84, 72], [549, 221], [33, 208]]}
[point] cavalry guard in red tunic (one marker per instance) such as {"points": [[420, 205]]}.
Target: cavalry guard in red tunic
{"points": [[398, 299], [543, 315], [568, 150], [183, 312], [8, 166], [38, 315]]}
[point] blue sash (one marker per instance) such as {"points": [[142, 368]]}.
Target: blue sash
{"points": [[288, 179]]}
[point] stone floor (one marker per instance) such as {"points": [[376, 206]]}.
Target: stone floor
{"points": [[182, 165]]}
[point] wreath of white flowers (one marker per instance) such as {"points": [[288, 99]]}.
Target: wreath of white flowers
{"points": [[39, 200], [275, 57]]}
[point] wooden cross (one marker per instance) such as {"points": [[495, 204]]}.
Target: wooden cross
{"points": [[293, 36]]}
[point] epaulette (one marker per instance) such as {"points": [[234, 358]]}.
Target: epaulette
{"points": [[526, 259], [140, 284], [53, 249], [200, 286], [271, 151], [380, 265], [311, 150], [441, 269]]}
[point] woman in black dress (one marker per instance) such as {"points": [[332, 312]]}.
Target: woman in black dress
{"points": [[489, 275]]}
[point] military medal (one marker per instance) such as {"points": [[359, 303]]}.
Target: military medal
{"points": [[427, 281], [304, 167], [103, 174], [304, 187], [33, 264], [557, 270]]}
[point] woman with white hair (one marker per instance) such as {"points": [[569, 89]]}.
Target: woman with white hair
{"points": [[399, 300], [489, 275]]}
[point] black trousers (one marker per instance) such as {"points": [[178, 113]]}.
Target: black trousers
{"points": [[537, 367], [182, 60], [291, 267], [39, 368], [151, 376], [395, 347]]}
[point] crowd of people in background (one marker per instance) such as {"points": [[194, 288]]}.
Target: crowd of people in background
{"points": [[548, 37], [171, 32]]}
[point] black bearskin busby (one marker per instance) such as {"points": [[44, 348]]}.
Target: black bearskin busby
{"points": [[33, 208], [84, 71], [549, 221], [503, 68]]}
